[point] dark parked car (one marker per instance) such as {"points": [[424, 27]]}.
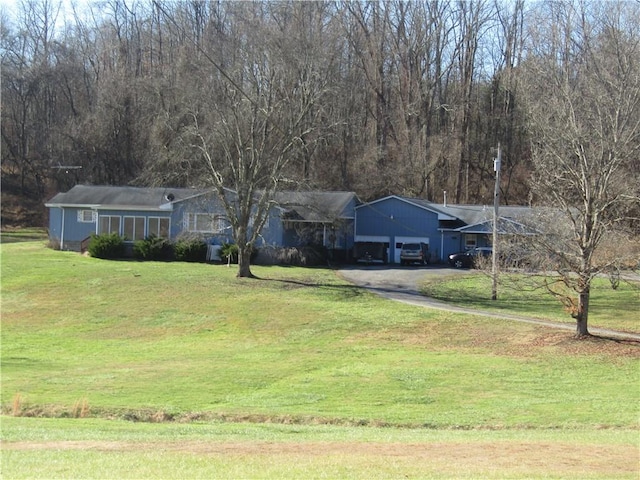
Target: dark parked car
{"points": [[414, 253], [467, 259]]}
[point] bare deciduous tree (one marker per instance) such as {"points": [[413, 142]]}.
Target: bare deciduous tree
{"points": [[584, 109], [246, 123]]}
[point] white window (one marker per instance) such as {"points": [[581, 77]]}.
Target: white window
{"points": [[470, 240], [109, 224], [158, 226], [134, 228], [87, 216], [204, 222]]}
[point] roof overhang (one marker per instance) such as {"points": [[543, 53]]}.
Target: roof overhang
{"points": [[127, 208]]}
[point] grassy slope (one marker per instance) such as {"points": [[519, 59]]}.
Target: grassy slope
{"points": [[131, 337], [612, 309]]}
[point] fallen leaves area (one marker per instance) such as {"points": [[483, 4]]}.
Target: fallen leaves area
{"points": [[527, 343], [564, 342], [556, 458]]}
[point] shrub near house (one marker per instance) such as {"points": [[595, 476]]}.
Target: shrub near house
{"points": [[154, 248], [107, 246], [112, 246]]}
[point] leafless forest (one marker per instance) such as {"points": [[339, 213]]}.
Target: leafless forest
{"points": [[387, 97]]}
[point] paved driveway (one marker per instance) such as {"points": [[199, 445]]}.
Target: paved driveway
{"points": [[394, 276], [402, 284]]}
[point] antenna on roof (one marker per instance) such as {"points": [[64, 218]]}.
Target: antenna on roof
{"points": [[66, 168]]}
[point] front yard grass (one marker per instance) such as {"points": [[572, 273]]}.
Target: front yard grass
{"points": [[97, 448], [302, 353], [518, 294]]}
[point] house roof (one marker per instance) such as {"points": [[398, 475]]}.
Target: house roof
{"points": [[477, 214], [476, 218], [316, 207], [418, 202], [297, 206], [505, 226], [129, 198]]}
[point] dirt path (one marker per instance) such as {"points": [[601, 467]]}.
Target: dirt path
{"points": [[401, 284]]}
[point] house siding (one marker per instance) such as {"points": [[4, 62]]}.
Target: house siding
{"points": [[208, 203], [334, 231], [65, 228], [398, 220]]}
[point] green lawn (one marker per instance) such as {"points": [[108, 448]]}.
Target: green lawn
{"points": [[97, 448], [617, 309], [184, 342], [23, 235]]}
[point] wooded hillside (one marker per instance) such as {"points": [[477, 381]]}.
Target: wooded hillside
{"points": [[406, 98]]}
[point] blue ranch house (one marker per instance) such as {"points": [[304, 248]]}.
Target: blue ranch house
{"points": [[296, 219], [333, 220]]}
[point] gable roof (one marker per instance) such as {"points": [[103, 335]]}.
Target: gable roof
{"points": [[315, 207], [418, 202], [506, 226], [477, 214], [297, 206], [124, 198], [476, 218]]}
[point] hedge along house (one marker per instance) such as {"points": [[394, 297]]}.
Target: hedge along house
{"points": [[173, 213], [446, 229]]}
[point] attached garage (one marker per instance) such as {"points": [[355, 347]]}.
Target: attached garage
{"points": [[399, 241], [445, 228], [399, 220], [371, 247]]}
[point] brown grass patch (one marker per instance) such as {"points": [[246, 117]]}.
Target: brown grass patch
{"points": [[527, 342], [509, 457]]}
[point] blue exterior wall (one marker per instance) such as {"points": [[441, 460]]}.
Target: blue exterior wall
{"points": [[273, 231], [394, 217], [210, 203], [457, 241], [65, 228], [55, 224]]}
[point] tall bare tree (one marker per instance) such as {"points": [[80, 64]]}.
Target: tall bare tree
{"points": [[584, 110], [246, 120]]}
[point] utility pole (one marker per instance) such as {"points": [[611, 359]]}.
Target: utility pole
{"points": [[496, 205]]}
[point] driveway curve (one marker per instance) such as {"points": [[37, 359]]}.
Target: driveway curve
{"points": [[401, 284]]}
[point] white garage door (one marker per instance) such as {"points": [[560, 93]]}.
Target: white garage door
{"points": [[400, 240]]}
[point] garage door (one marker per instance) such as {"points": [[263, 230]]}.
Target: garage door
{"points": [[372, 238], [400, 240]]}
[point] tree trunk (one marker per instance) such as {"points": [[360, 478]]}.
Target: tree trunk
{"points": [[244, 261], [582, 314]]}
